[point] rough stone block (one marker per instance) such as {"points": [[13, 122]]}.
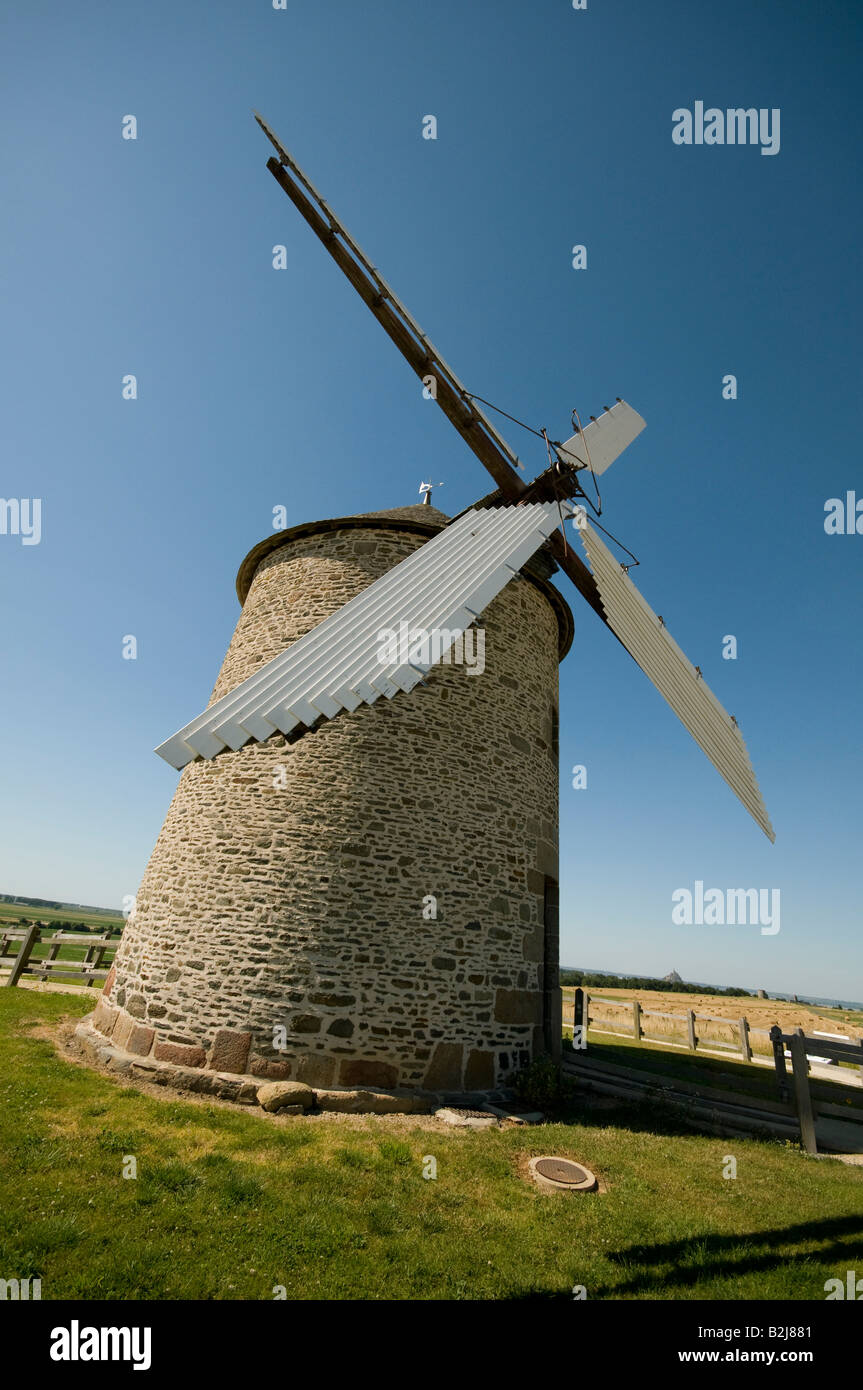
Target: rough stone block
{"points": [[363, 1102], [547, 858], [109, 981], [276, 1069], [230, 1050], [444, 1071], [533, 945], [105, 1018], [202, 1082], [87, 1037], [479, 1070], [277, 1094], [155, 1075], [461, 1120], [360, 1073], [136, 1005], [114, 1060], [140, 1039], [306, 1023], [179, 1053], [517, 1005], [317, 1070], [123, 1026]]}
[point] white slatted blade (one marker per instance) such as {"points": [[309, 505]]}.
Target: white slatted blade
{"points": [[662, 661], [243, 699], [444, 585], [603, 440], [350, 660], [289, 677]]}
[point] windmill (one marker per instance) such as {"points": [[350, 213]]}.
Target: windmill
{"points": [[326, 673], [356, 883]]}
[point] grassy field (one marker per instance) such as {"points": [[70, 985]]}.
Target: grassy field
{"points": [[228, 1204], [66, 952], [11, 913], [93, 924]]}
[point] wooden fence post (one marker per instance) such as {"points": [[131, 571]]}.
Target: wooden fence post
{"points": [[802, 1095], [586, 1014], [778, 1044], [92, 957], [23, 955], [578, 1007], [636, 1020], [690, 1030], [745, 1047]]}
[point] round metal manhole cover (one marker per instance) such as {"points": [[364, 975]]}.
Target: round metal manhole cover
{"points": [[562, 1175]]}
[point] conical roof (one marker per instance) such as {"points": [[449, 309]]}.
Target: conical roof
{"points": [[419, 511]]}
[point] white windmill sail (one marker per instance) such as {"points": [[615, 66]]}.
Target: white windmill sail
{"points": [[604, 439], [441, 588], [649, 642]]}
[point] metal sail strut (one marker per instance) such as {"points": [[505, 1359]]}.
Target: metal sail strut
{"points": [[419, 352]]}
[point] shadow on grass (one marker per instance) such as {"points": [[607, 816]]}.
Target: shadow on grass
{"points": [[652, 1115], [682, 1263]]}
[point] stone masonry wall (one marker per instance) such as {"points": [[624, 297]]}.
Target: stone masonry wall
{"points": [[287, 884]]}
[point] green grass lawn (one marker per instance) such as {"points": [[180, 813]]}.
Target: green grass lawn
{"points": [[226, 1204], [70, 953]]}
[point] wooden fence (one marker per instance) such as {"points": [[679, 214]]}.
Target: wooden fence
{"points": [[18, 946], [806, 1101], [577, 1010], [809, 1108]]}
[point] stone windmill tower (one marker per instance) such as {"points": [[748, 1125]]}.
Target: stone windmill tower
{"points": [[357, 880], [292, 883]]}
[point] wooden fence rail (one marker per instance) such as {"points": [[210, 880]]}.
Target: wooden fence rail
{"points": [[577, 1011], [17, 946], [808, 1103], [808, 1107]]}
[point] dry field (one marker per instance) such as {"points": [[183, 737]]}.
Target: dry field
{"points": [[761, 1013]]}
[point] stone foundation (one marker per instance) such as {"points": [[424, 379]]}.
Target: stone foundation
{"points": [[250, 1090]]}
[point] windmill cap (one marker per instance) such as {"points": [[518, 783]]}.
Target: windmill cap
{"points": [[420, 519]]}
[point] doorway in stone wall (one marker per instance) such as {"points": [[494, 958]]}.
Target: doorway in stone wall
{"points": [[552, 1007]]}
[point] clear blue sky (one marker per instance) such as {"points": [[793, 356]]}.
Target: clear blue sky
{"points": [[259, 387]]}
